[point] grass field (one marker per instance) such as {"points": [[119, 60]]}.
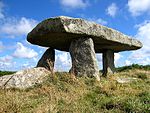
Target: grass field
{"points": [[63, 93], [2, 73]]}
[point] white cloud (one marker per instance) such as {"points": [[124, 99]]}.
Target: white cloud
{"points": [[146, 61], [98, 20], [6, 62], [137, 7], [1, 10], [63, 61], [12, 26], [117, 56], [6, 58], [99, 60], [1, 46], [74, 3], [27, 65], [99, 57], [15, 27], [101, 21], [127, 62], [112, 10], [24, 52], [142, 56]]}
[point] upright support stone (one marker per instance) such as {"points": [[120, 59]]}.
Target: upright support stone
{"points": [[47, 60], [108, 62], [83, 58]]}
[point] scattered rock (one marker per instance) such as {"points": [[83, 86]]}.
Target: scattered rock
{"points": [[125, 80], [24, 78], [83, 57]]}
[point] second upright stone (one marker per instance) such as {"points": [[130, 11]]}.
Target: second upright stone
{"points": [[83, 57]]}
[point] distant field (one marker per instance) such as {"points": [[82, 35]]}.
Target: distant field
{"points": [[2, 73], [64, 93], [119, 69], [133, 66]]}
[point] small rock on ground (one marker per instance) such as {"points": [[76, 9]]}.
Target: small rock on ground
{"points": [[125, 80]]}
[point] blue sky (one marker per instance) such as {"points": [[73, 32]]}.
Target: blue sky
{"points": [[18, 17]]}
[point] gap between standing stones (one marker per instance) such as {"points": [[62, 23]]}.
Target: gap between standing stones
{"points": [[84, 62]]}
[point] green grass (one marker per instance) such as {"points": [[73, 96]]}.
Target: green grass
{"points": [[2, 73], [64, 93], [133, 66]]}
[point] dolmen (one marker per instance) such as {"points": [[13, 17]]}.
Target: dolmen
{"points": [[83, 39]]}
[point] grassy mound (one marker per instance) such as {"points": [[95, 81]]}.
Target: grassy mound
{"points": [[63, 93]]}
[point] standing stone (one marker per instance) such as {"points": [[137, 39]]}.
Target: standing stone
{"points": [[47, 60], [108, 62], [83, 58]]}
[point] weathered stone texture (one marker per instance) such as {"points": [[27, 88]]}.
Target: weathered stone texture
{"points": [[47, 60], [123, 80], [60, 31], [24, 78], [83, 58], [108, 62]]}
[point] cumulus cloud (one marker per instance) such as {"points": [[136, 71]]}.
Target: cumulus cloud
{"points": [[15, 27], [6, 62], [63, 61], [6, 58], [137, 7], [1, 10], [117, 56], [12, 26], [98, 20], [112, 10], [142, 56], [27, 65], [101, 21], [74, 3], [99, 57], [127, 62], [99, 60], [24, 52]]}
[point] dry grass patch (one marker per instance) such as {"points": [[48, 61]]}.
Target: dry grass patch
{"points": [[63, 93]]}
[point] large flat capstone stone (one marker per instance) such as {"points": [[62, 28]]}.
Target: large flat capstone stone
{"points": [[59, 32]]}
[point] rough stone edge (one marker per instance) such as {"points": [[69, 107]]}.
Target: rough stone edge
{"points": [[3, 86], [115, 37], [131, 40]]}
